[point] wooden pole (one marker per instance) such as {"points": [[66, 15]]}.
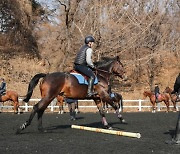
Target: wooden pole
{"points": [[113, 132]]}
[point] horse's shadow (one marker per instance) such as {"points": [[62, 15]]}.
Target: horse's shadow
{"points": [[94, 125]]}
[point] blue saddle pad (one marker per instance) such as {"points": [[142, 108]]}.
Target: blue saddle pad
{"points": [[82, 80], [112, 95], [70, 100]]}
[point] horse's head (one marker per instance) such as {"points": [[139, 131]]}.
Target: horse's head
{"points": [[110, 66], [118, 68], [147, 93]]}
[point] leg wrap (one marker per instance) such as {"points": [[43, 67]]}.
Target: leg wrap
{"points": [[23, 126]]}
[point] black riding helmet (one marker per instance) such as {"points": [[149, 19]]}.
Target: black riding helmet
{"points": [[89, 39]]}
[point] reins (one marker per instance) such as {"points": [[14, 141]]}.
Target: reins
{"points": [[108, 78]]}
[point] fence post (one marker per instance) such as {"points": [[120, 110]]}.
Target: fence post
{"points": [[54, 101], [140, 104], [26, 107]]}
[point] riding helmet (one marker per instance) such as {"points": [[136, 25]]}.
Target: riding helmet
{"points": [[89, 39]]}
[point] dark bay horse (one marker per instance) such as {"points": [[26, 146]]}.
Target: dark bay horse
{"points": [[174, 97], [162, 97], [66, 85], [11, 96], [117, 99]]}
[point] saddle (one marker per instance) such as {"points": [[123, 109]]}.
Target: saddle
{"points": [[159, 96], [82, 79]]}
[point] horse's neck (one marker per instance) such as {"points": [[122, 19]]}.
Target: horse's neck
{"points": [[149, 94], [104, 74], [170, 90]]}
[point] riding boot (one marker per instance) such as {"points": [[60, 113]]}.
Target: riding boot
{"points": [[90, 87]]}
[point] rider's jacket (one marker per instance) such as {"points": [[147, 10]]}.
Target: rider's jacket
{"points": [[81, 56], [156, 90], [3, 86]]}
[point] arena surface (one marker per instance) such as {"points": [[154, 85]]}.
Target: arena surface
{"points": [[62, 139]]}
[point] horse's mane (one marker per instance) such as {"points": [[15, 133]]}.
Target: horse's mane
{"points": [[105, 61]]}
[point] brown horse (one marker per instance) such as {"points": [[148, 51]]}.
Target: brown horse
{"points": [[162, 97], [11, 96], [66, 85], [174, 97], [60, 103]]}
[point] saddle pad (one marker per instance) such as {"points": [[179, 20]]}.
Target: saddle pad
{"points": [[112, 95], [82, 80], [70, 100]]}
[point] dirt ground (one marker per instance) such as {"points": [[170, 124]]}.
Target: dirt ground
{"points": [[61, 138]]}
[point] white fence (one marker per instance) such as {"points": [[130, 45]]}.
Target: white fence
{"points": [[139, 104]]}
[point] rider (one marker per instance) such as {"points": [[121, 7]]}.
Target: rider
{"points": [[83, 63], [2, 86], [157, 92]]}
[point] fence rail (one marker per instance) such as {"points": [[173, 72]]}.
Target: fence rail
{"points": [[52, 106]]}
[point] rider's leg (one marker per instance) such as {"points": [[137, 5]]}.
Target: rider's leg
{"points": [[90, 86], [88, 72]]}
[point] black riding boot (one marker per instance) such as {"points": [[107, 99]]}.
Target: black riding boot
{"points": [[90, 87]]}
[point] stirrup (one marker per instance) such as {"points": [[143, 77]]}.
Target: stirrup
{"points": [[91, 94]]}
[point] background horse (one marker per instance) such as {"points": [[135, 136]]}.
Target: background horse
{"points": [[174, 97], [162, 97], [67, 85], [60, 103], [11, 96], [117, 99]]}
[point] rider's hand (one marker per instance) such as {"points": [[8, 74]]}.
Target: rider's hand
{"points": [[94, 68]]}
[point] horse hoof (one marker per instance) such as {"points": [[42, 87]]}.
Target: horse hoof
{"points": [[18, 131], [123, 121], [41, 130], [108, 127]]}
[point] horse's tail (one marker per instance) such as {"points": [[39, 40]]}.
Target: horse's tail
{"points": [[32, 84]]}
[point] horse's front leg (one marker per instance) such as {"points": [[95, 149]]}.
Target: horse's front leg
{"points": [[102, 113], [153, 107], [16, 108], [116, 108], [167, 105]]}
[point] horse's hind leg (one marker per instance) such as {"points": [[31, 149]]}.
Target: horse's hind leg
{"points": [[28, 122], [174, 104], [40, 113]]}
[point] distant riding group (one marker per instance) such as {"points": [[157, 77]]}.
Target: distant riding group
{"points": [[168, 94], [88, 80]]}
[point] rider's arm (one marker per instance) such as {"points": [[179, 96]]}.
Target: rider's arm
{"points": [[3, 86], [89, 57]]}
